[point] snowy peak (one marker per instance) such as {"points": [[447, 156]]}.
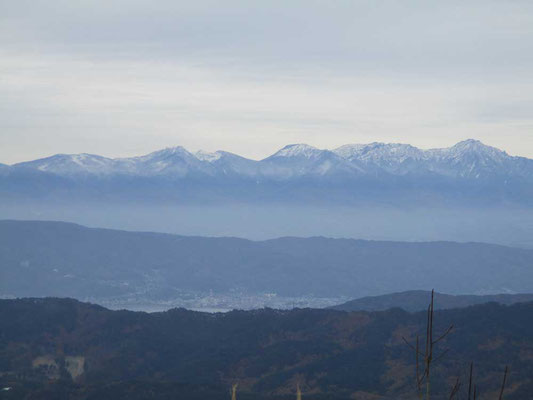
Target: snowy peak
{"points": [[396, 152], [176, 161], [222, 163], [401, 152], [208, 157], [299, 160], [298, 150], [375, 158], [467, 159], [473, 159], [70, 164], [177, 152], [472, 145], [475, 147]]}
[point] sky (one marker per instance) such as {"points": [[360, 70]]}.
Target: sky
{"points": [[127, 77]]}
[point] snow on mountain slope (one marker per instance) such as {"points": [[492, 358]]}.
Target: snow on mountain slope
{"points": [[466, 159], [393, 158], [229, 164], [175, 161], [70, 164], [379, 152], [469, 159], [473, 159], [298, 160], [301, 151], [209, 157]]}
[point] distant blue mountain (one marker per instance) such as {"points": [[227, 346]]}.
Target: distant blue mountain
{"points": [[389, 173], [59, 259], [468, 192]]}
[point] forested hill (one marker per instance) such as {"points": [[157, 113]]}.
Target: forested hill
{"points": [[416, 300], [60, 348], [68, 260]]}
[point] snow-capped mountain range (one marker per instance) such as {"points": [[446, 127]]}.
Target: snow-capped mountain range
{"points": [[468, 192], [469, 159], [467, 174]]}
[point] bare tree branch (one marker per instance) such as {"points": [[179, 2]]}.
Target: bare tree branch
{"points": [[411, 346], [441, 355], [503, 383], [470, 380], [455, 389], [446, 333]]}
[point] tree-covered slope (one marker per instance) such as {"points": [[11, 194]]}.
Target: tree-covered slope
{"points": [[330, 354], [416, 300]]}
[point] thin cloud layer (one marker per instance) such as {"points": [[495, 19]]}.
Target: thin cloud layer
{"points": [[125, 77]]}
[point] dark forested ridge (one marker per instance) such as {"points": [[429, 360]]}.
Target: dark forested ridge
{"points": [[417, 300], [68, 260], [64, 349]]}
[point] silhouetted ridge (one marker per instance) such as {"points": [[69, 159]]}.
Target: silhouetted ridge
{"points": [[416, 300]]}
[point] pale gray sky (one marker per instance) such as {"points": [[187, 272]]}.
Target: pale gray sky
{"points": [[126, 77]]}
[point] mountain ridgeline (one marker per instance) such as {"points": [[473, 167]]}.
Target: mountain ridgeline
{"points": [[63, 349], [61, 259], [416, 300], [349, 174], [468, 192]]}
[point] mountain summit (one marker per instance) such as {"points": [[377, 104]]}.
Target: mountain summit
{"points": [[298, 150]]}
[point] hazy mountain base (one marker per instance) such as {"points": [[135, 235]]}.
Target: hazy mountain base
{"points": [[60, 259], [468, 192], [508, 225], [176, 354]]}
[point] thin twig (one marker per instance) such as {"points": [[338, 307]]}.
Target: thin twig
{"points": [[442, 355], [455, 388], [470, 380], [411, 346], [418, 368], [448, 331], [503, 383]]}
